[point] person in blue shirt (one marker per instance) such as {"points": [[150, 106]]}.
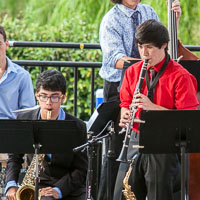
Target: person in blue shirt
{"points": [[16, 88], [116, 36], [63, 176]]}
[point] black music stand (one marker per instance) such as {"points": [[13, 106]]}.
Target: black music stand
{"points": [[171, 131], [103, 114], [193, 66], [37, 136]]}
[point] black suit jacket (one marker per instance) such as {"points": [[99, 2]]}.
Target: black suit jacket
{"points": [[66, 171]]}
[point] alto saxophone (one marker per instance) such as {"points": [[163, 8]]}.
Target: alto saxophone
{"points": [[27, 188], [128, 194]]}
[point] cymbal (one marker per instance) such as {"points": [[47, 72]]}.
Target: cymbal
{"points": [[32, 108]]}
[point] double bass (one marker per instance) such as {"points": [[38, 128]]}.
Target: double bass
{"points": [[176, 48], [178, 52]]}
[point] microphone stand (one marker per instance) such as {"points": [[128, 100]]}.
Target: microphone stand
{"points": [[90, 152], [110, 157]]}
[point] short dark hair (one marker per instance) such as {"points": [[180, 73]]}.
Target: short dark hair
{"points": [[117, 1], [152, 31], [2, 32], [51, 80]]}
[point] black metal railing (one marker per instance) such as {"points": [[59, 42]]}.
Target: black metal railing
{"points": [[54, 45], [72, 45]]}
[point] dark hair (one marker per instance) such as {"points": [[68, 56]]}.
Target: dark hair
{"points": [[2, 32], [152, 31], [117, 1], [51, 80]]}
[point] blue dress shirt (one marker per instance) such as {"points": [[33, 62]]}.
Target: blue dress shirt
{"points": [[61, 116], [117, 34], [16, 90]]}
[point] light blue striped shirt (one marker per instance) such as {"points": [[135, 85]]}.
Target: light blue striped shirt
{"points": [[16, 90], [116, 36]]}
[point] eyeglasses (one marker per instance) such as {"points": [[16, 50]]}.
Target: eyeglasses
{"points": [[54, 99]]}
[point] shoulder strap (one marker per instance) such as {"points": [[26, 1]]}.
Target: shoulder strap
{"points": [[151, 87], [158, 74]]}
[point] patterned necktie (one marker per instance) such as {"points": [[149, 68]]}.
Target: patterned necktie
{"points": [[153, 74], [134, 52], [151, 89]]}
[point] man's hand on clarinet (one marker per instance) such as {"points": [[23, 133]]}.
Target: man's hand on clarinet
{"points": [[125, 117], [143, 102]]}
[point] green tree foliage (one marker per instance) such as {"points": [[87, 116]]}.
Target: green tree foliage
{"points": [[12, 7]]}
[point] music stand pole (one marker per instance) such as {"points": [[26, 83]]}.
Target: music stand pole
{"points": [[90, 151], [110, 156], [36, 147], [183, 169]]}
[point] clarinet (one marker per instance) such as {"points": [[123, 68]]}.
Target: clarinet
{"points": [[123, 155]]}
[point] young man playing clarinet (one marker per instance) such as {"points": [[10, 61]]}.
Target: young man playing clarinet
{"points": [[63, 176], [154, 176]]}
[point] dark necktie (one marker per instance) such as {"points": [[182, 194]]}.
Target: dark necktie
{"points": [[151, 89], [135, 53], [153, 74]]}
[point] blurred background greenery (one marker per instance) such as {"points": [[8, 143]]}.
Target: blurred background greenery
{"points": [[77, 21]]}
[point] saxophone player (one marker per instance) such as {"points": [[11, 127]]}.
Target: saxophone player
{"points": [[154, 176], [63, 175]]}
